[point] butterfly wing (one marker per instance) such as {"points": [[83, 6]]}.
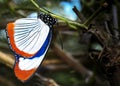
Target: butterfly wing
{"points": [[26, 67], [27, 35]]}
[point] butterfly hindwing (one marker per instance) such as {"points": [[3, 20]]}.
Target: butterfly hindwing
{"points": [[27, 36], [26, 67]]}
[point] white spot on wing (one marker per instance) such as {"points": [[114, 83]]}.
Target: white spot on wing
{"points": [[28, 64]]}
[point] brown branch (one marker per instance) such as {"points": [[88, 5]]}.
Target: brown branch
{"points": [[47, 81], [7, 59], [69, 59], [80, 16]]}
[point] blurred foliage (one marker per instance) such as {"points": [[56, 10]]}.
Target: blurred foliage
{"points": [[11, 10]]}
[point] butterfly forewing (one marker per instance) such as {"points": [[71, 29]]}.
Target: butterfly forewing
{"points": [[27, 36]]}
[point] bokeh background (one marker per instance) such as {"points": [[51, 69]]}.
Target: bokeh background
{"points": [[69, 61]]}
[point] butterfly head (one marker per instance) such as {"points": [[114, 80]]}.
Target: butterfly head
{"points": [[47, 19]]}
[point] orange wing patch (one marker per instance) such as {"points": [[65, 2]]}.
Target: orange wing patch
{"points": [[10, 30], [23, 75]]}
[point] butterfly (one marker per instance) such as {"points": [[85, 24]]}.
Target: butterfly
{"points": [[29, 39]]}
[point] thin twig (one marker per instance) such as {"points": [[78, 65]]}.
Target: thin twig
{"points": [[96, 13], [71, 23], [80, 16]]}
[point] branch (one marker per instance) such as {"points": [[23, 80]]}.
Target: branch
{"points": [[69, 59], [96, 13], [70, 23], [7, 59], [79, 14]]}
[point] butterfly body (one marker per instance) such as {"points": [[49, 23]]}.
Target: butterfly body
{"points": [[29, 39]]}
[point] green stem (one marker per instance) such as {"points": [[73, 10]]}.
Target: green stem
{"points": [[37, 6], [87, 22], [69, 22]]}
